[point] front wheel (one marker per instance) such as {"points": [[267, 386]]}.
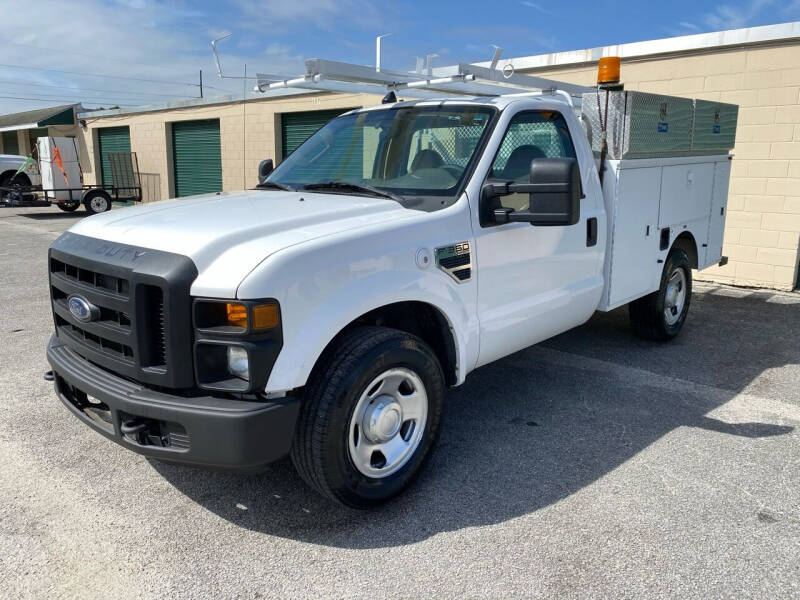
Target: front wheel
{"points": [[97, 202], [369, 416], [9, 181], [660, 316]]}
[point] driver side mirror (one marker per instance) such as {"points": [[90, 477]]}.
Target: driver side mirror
{"points": [[554, 191], [265, 167]]}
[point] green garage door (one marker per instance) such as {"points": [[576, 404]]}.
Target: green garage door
{"points": [[196, 157], [10, 142], [296, 128], [111, 139]]}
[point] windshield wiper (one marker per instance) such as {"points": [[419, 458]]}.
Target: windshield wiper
{"points": [[353, 187], [267, 185]]}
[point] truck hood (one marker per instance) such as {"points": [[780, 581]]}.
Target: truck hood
{"points": [[228, 234]]}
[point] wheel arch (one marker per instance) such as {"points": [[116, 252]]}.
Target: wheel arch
{"points": [[89, 194], [24, 179], [686, 242], [415, 317], [425, 319]]}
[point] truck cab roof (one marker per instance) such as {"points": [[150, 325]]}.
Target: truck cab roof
{"points": [[498, 102]]}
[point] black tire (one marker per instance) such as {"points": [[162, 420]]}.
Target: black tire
{"points": [[8, 180], [69, 206], [321, 449], [97, 202], [648, 314]]}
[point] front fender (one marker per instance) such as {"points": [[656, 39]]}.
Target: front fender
{"points": [[305, 344], [325, 285]]}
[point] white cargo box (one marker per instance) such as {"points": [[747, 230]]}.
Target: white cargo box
{"points": [[652, 201], [53, 180]]}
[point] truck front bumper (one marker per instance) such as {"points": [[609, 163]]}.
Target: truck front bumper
{"points": [[205, 431]]}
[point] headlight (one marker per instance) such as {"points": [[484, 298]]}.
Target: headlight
{"points": [[236, 317], [236, 343], [238, 362]]}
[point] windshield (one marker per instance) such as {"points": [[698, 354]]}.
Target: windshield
{"points": [[417, 155]]}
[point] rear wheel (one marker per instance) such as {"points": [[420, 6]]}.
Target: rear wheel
{"points": [[660, 316], [369, 417], [97, 201]]}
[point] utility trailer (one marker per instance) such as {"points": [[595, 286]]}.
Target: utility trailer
{"points": [[62, 180], [323, 314]]}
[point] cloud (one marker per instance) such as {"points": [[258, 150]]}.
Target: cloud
{"points": [[733, 16], [323, 14], [165, 43], [535, 6], [728, 16]]}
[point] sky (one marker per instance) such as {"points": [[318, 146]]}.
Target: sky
{"points": [[135, 52]]}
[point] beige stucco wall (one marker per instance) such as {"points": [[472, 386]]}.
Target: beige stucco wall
{"points": [[249, 133], [762, 231]]}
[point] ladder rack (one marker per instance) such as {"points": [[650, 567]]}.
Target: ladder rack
{"points": [[463, 79]]}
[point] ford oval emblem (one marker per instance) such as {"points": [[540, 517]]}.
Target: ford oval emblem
{"points": [[82, 309]]}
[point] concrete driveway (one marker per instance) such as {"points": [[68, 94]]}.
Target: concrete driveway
{"points": [[593, 465]]}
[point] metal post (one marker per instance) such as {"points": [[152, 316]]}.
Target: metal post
{"points": [[201, 83], [378, 50]]}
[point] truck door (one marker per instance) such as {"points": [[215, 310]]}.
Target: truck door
{"points": [[535, 282]]}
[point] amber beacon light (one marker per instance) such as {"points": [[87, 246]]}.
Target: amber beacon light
{"points": [[608, 70]]}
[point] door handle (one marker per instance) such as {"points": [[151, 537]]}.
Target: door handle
{"points": [[591, 232]]}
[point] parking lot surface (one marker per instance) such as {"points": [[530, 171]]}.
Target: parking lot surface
{"points": [[593, 465]]}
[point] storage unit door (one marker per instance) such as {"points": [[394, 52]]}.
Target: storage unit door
{"points": [[111, 139], [196, 157], [296, 128], [10, 142]]}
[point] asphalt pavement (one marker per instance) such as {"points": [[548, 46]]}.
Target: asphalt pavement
{"points": [[595, 465]]}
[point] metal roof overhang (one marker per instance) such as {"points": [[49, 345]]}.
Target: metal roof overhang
{"points": [[44, 117]]}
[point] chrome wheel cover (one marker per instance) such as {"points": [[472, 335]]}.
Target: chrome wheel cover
{"points": [[675, 296], [388, 422]]}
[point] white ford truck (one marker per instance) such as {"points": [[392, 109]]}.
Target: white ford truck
{"points": [[324, 314]]}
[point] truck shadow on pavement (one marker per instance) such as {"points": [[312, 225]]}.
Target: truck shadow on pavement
{"points": [[537, 427], [54, 216]]}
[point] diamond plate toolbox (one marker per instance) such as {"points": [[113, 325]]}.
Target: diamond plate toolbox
{"points": [[642, 125]]}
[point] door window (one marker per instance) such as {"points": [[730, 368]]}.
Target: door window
{"points": [[530, 135]]}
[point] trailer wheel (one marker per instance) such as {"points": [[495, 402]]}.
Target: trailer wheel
{"points": [[369, 416], [660, 316], [97, 201], [69, 206]]}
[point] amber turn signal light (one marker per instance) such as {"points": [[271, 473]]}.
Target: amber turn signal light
{"points": [[236, 314], [265, 316]]}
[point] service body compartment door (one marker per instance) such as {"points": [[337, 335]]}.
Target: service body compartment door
{"points": [[716, 223], [634, 267], [685, 190]]}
